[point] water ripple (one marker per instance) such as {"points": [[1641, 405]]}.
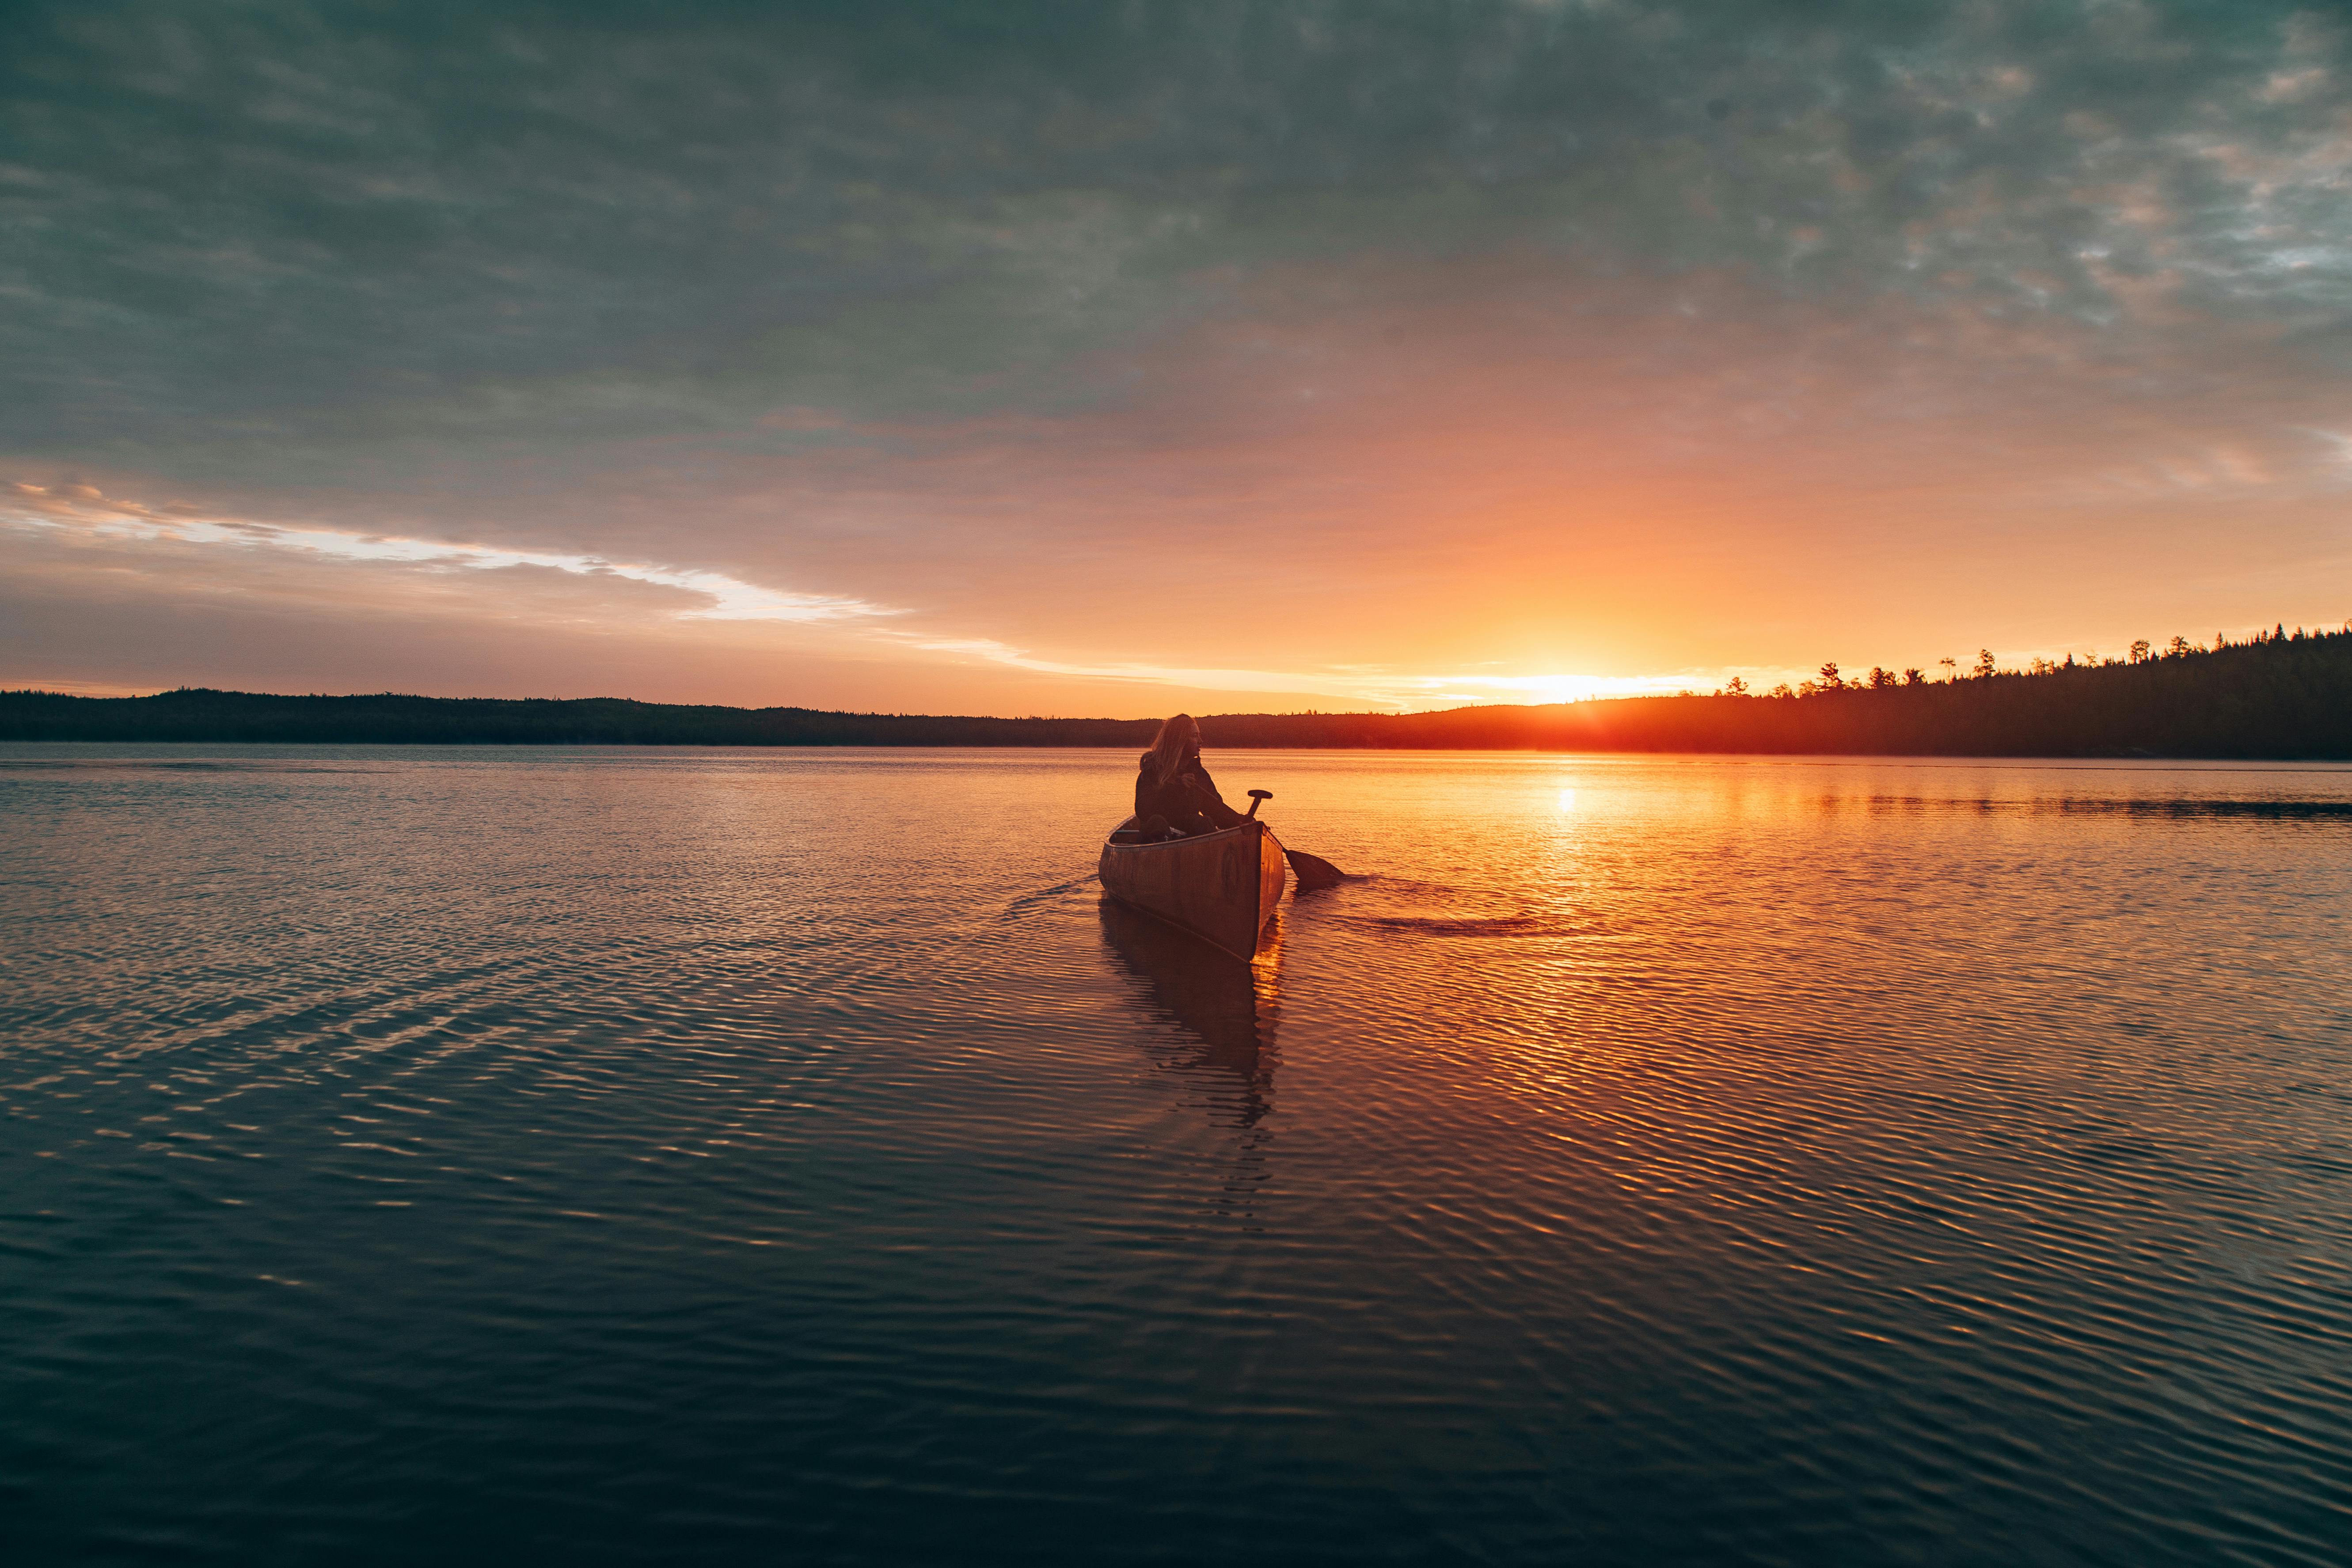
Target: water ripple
{"points": [[629, 1156]]}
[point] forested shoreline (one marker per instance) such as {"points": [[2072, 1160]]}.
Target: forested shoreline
{"points": [[2282, 695]]}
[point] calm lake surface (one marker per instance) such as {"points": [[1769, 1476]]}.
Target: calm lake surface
{"points": [[624, 1155]]}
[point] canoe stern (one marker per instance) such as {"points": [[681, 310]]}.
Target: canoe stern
{"points": [[1221, 887]]}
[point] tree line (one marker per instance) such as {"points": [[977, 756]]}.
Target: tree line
{"points": [[1986, 667], [2278, 695]]}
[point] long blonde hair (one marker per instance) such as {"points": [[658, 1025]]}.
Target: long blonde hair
{"points": [[1177, 735]]}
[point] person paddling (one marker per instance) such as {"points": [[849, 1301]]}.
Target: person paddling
{"points": [[1173, 789]]}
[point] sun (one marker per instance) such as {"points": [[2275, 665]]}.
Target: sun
{"points": [[1559, 688]]}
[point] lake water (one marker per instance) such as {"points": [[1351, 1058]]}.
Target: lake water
{"points": [[617, 1157]]}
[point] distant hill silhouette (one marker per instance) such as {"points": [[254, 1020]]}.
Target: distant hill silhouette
{"points": [[2282, 695]]}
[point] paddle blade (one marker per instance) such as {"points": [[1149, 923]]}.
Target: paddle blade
{"points": [[1313, 871]]}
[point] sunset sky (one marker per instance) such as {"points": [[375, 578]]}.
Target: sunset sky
{"points": [[1111, 358]]}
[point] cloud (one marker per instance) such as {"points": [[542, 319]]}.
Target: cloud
{"points": [[1527, 338], [205, 549], [1386, 688], [83, 508], [551, 225]]}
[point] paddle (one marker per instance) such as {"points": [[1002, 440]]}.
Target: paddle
{"points": [[1313, 871]]}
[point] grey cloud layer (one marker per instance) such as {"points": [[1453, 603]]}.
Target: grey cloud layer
{"points": [[245, 242]]}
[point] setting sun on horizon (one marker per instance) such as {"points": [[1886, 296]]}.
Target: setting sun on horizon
{"points": [[1168, 365]]}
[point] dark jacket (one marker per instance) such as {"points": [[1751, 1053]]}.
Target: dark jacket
{"points": [[1190, 801]]}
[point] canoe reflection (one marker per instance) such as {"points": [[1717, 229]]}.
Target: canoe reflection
{"points": [[1225, 1005]]}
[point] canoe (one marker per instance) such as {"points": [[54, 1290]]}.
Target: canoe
{"points": [[1221, 887]]}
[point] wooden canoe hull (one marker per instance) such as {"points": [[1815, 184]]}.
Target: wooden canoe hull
{"points": [[1221, 887]]}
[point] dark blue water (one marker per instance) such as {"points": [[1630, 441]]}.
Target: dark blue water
{"points": [[649, 1156]]}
